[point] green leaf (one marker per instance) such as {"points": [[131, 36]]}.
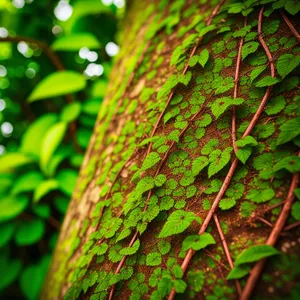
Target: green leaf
{"points": [[196, 280], [131, 250], [29, 232], [33, 136], [153, 259], [203, 57], [249, 48], [51, 141], [256, 72], [27, 182], [57, 84], [92, 106], [32, 278], [290, 163], [177, 222], [66, 180], [222, 104], [180, 285], [255, 253], [292, 6], [260, 196], [218, 160], [151, 160], [9, 271], [164, 247], [42, 210], [296, 211], [199, 164], [44, 188], [6, 233], [177, 53], [227, 203], [243, 154], [70, 112], [275, 105], [206, 29], [225, 85], [267, 81], [160, 180], [75, 42], [238, 272], [287, 63], [289, 130], [246, 141], [10, 207], [10, 161], [197, 242], [145, 184]]}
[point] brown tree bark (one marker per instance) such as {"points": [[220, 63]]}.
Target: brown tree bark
{"points": [[182, 100]]}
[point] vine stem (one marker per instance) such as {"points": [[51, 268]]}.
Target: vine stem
{"points": [[234, 164], [55, 60], [290, 25], [235, 91], [256, 271], [226, 250]]}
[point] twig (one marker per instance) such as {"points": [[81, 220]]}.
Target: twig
{"points": [[290, 25], [234, 164], [235, 91], [255, 273], [291, 226], [226, 250], [55, 60]]}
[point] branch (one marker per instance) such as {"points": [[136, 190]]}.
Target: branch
{"points": [[290, 25], [255, 273]]}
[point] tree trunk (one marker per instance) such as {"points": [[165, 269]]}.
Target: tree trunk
{"points": [[192, 160]]}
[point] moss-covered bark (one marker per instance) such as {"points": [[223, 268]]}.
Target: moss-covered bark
{"points": [[193, 159]]}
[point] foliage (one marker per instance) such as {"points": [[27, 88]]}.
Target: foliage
{"points": [[52, 102]]}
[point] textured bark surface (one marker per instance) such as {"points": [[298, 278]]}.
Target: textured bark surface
{"points": [[164, 148]]}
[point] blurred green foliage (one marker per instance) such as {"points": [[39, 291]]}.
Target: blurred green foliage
{"points": [[55, 58]]}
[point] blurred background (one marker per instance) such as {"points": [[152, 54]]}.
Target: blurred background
{"points": [[55, 60]]}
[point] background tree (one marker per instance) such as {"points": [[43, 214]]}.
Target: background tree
{"points": [[191, 174]]}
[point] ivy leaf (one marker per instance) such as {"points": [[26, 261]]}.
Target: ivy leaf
{"points": [[145, 184], [199, 164], [153, 259], [196, 280], [227, 203], [290, 163], [225, 85], [180, 285], [151, 160], [249, 48], [222, 104], [287, 63], [238, 272], [197, 242], [289, 130], [267, 81], [296, 211], [260, 196], [175, 58], [256, 72], [243, 154], [57, 84], [203, 57], [177, 222], [255, 253], [275, 105], [218, 160], [131, 250], [205, 30], [292, 6], [160, 179], [246, 141]]}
